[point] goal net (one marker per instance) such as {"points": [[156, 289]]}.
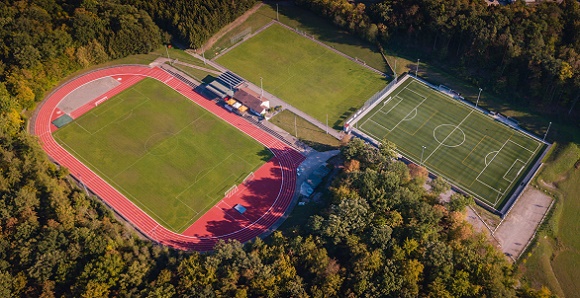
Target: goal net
{"points": [[248, 178], [100, 101], [236, 38], [232, 190]]}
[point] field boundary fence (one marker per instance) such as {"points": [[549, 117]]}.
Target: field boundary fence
{"points": [[371, 102]]}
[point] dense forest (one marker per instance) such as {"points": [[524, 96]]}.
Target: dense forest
{"points": [[380, 234], [529, 52]]}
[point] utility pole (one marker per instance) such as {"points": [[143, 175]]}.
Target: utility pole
{"points": [[422, 151], [326, 123], [478, 97], [395, 70], [261, 88], [167, 52], [203, 54], [295, 127], [277, 19], [546, 134], [417, 69]]}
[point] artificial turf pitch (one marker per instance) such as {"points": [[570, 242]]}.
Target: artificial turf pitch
{"points": [[301, 72], [166, 154], [483, 157]]}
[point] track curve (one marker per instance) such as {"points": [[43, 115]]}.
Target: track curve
{"points": [[286, 159]]}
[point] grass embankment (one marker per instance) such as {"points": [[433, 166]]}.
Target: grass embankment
{"points": [[555, 258], [308, 133]]}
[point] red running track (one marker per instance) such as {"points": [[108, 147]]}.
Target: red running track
{"points": [[267, 196]]}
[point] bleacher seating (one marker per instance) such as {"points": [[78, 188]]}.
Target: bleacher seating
{"points": [[229, 79], [180, 77]]}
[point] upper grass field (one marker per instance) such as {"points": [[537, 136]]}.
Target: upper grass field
{"points": [[482, 156], [305, 74], [163, 152]]}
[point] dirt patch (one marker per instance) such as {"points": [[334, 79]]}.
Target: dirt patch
{"points": [[212, 40], [520, 225]]}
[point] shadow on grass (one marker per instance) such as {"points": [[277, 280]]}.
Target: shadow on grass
{"points": [[340, 122]]}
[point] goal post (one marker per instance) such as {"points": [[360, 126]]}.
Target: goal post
{"points": [[100, 101], [248, 178], [232, 190]]}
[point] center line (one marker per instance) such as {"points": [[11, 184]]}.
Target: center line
{"points": [[442, 142]]}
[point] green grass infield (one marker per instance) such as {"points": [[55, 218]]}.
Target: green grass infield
{"points": [[166, 154], [483, 157], [303, 73]]}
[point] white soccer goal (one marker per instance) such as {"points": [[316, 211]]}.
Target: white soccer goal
{"points": [[248, 178], [232, 190], [100, 101]]}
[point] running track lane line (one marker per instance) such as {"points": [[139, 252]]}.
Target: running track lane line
{"points": [[288, 160]]}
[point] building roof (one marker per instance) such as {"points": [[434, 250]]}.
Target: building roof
{"points": [[251, 99]]}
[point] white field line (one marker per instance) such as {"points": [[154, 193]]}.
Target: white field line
{"points": [[442, 142], [513, 164], [414, 109], [522, 146], [498, 151]]}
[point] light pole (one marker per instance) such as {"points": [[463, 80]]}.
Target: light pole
{"points": [[277, 12], [417, 69], [546, 134], [478, 97], [167, 52], [395, 70], [422, 151], [261, 87]]}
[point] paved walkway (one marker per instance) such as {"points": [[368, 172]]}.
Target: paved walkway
{"points": [[161, 60]]}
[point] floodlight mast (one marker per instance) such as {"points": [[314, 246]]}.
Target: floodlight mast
{"points": [[478, 95], [417, 69], [547, 130], [261, 87]]}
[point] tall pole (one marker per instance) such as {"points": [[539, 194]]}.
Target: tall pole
{"points": [[326, 123], [295, 127], [417, 69], [261, 87], [547, 131], [478, 97], [395, 70], [85, 188], [422, 151], [277, 19], [203, 54], [167, 52]]}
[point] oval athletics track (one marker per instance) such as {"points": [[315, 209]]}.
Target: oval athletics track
{"points": [[271, 198]]}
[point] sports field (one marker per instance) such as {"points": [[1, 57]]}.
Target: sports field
{"points": [[303, 73], [163, 152], [471, 150]]}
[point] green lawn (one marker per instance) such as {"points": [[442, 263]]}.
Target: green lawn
{"points": [[166, 154], [555, 259], [482, 156], [308, 133], [308, 76]]}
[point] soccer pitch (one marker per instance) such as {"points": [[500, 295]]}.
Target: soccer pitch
{"points": [[483, 157], [303, 73], [166, 154]]}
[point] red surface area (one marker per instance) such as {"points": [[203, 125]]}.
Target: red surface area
{"points": [[266, 196]]}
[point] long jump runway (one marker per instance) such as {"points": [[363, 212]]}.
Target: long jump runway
{"points": [[267, 196]]}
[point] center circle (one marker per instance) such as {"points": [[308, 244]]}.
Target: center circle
{"points": [[161, 143], [449, 135]]}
